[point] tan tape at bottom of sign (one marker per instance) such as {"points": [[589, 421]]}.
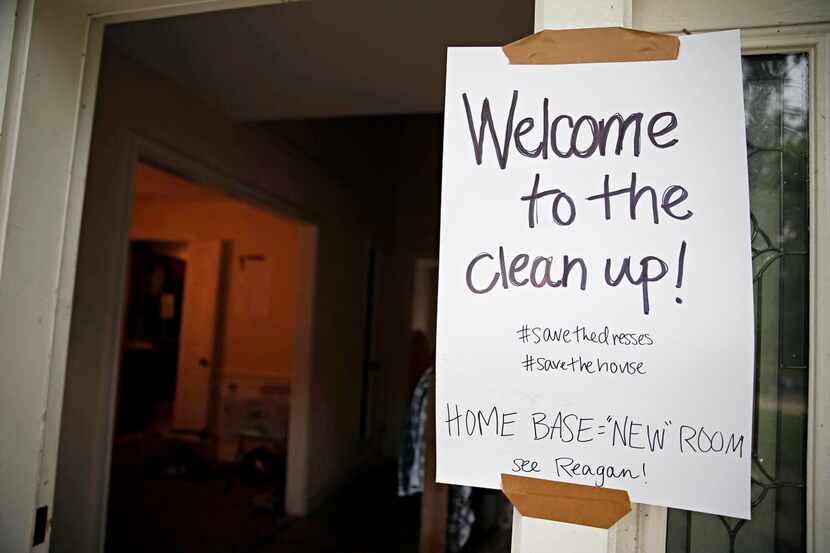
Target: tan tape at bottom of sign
{"points": [[565, 502], [594, 45]]}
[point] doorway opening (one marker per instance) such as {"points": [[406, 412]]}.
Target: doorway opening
{"points": [[200, 440], [357, 160], [150, 346]]}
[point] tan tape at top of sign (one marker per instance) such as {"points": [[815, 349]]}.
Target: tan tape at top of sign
{"points": [[565, 502], [596, 45]]}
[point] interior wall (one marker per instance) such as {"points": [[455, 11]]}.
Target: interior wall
{"points": [[134, 104], [260, 324], [417, 219], [398, 158]]}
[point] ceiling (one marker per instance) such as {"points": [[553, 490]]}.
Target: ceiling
{"points": [[321, 58]]}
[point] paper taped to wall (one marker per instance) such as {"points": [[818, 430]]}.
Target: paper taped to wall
{"points": [[595, 320]]}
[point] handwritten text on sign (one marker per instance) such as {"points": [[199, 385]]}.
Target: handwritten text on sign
{"points": [[595, 291]]}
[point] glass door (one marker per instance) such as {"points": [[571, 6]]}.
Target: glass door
{"points": [[776, 104]]}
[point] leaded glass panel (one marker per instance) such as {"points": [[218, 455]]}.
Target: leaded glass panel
{"points": [[776, 107]]}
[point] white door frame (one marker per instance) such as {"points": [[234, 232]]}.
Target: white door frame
{"points": [[44, 150], [7, 20]]}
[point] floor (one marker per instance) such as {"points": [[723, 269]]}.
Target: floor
{"points": [[163, 498]]}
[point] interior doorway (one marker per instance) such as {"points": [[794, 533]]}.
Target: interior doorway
{"points": [[152, 330], [208, 339]]}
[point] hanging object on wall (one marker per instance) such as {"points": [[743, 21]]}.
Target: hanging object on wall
{"points": [[255, 281]]}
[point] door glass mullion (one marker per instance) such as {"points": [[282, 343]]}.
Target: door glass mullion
{"points": [[776, 104]]}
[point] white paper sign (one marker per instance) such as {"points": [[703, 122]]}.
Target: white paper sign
{"points": [[595, 319]]}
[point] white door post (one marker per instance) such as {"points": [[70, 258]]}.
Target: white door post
{"points": [[645, 526], [578, 14], [536, 535]]}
